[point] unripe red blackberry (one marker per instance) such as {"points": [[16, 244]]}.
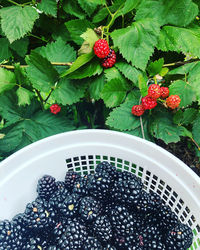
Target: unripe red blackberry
{"points": [[109, 60], [101, 48], [138, 110], [149, 102], [173, 101]]}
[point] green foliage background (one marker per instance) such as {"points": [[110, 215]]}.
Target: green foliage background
{"points": [[46, 57]]}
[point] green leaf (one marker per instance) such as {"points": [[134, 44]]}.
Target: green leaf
{"points": [[186, 132], [16, 21], [136, 43], [189, 116], [196, 129], [68, 92], [90, 69], [155, 67], [90, 37], [162, 127], [89, 6], [112, 73], [73, 8], [49, 7], [128, 6], [28, 125], [40, 72], [179, 13], [7, 80], [184, 90], [77, 28], [177, 39], [193, 79], [121, 117], [4, 52], [21, 76], [182, 70], [114, 92], [129, 71], [96, 86], [58, 51], [80, 61], [143, 85], [24, 96], [20, 46]]}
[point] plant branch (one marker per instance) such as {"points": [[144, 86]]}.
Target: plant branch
{"points": [[181, 63], [40, 97], [13, 2], [37, 37], [195, 143], [23, 66]]}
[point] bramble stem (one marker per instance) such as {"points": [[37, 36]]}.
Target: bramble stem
{"points": [[40, 38], [23, 66], [181, 63], [13, 2]]}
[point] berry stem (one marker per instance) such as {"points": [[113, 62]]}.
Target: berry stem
{"points": [[181, 63], [23, 66], [13, 2]]}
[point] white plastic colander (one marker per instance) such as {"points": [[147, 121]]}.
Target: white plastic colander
{"points": [[81, 151]]}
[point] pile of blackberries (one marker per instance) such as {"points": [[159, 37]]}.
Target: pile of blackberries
{"points": [[106, 210]]}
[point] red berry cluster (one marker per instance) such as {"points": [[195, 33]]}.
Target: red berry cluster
{"points": [[150, 101], [103, 51], [55, 108]]}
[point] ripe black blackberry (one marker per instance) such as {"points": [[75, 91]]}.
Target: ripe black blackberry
{"points": [[54, 247], [155, 201], [100, 185], [102, 229], [46, 186], [123, 242], [149, 235], [107, 168], [19, 221], [60, 185], [167, 217], [58, 197], [39, 216], [154, 244], [58, 230], [10, 236], [179, 237], [122, 221], [109, 247], [69, 207], [81, 186], [36, 243], [89, 209], [92, 244], [70, 178], [127, 189], [74, 236]]}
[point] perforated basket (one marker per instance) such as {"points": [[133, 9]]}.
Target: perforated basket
{"points": [[81, 151]]}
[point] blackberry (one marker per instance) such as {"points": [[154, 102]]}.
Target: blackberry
{"points": [[53, 247], [102, 229], [108, 206], [58, 198], [58, 230], [167, 218], [123, 242], [109, 247], [36, 243], [69, 207], [100, 185], [154, 244], [70, 178], [60, 185], [46, 186], [127, 189], [74, 236], [81, 186], [122, 221], [155, 201], [92, 244], [10, 236], [89, 209], [109, 60], [149, 235], [179, 237], [107, 168], [19, 221], [39, 216]]}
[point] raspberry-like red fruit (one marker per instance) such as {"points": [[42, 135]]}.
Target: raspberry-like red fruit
{"points": [[55, 108], [138, 110], [173, 101], [148, 102], [164, 92], [101, 48], [109, 60], [154, 91]]}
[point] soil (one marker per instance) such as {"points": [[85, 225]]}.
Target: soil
{"points": [[184, 153]]}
